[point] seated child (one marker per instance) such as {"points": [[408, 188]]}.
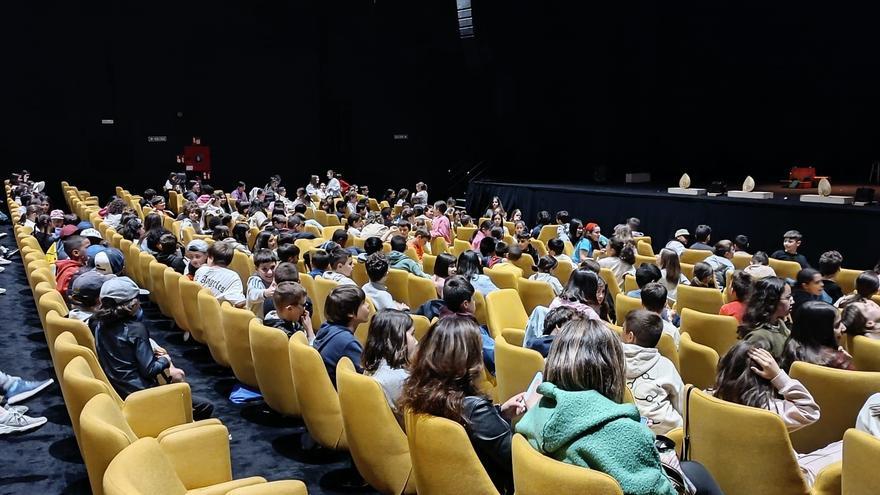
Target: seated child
{"points": [[645, 274], [290, 313], [654, 300], [340, 267], [261, 285], [553, 323], [652, 378], [375, 289]]}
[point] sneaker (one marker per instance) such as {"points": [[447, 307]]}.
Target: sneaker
{"points": [[15, 422], [4, 261], [2, 291], [18, 409], [2, 269], [24, 389]]}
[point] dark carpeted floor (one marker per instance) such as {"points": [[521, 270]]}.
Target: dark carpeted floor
{"points": [[47, 460]]}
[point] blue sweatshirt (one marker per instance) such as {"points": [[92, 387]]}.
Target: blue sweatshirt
{"points": [[334, 341]]}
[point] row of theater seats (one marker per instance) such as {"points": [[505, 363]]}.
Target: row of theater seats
{"points": [[147, 443]]}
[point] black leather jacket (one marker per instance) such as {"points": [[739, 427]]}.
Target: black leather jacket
{"points": [[126, 356], [490, 435]]}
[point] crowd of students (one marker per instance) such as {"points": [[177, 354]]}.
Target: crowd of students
{"points": [[579, 413]]}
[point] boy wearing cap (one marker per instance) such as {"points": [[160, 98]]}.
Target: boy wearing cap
{"points": [[224, 283], [679, 241], [196, 256], [791, 241], [123, 345], [75, 246], [57, 218], [85, 293]]}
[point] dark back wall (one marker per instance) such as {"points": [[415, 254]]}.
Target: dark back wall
{"points": [[546, 91]]}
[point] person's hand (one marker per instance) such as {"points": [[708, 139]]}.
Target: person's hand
{"points": [[514, 406], [159, 352], [769, 369], [306, 321], [177, 375], [267, 293], [402, 307]]}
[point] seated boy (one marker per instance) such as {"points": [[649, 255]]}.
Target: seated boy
{"points": [[196, 256], [553, 323], [371, 245], [487, 251], [290, 313], [317, 262], [791, 241], [288, 253], [399, 260], [75, 246], [340, 267], [562, 219], [261, 285], [441, 226], [85, 291], [345, 309], [720, 262], [284, 272], [523, 241], [741, 286], [654, 300], [419, 241], [458, 299], [829, 267], [653, 379], [224, 283], [759, 267], [375, 289], [556, 247], [645, 274]]}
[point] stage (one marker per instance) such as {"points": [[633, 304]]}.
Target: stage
{"points": [[844, 228]]}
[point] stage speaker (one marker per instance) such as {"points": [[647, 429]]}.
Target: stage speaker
{"points": [[864, 195]]}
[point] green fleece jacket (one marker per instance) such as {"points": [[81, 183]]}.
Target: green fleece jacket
{"points": [[401, 261], [587, 429]]}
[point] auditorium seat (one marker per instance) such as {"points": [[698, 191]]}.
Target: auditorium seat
{"points": [[699, 363], [537, 474], [515, 367], [318, 401], [713, 330], [504, 309], [272, 368]]}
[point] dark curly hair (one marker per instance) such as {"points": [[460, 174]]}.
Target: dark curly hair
{"points": [[764, 298]]}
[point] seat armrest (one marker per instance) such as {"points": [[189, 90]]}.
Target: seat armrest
{"points": [[228, 487], [199, 454], [153, 410], [828, 480]]}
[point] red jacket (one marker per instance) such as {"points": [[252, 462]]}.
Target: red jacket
{"points": [[64, 271]]}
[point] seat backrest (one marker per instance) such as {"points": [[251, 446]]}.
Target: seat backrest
{"points": [[428, 262], [504, 309], [157, 282], [142, 469], [57, 324], [67, 348], [515, 367], [860, 453], [439, 245], [694, 256], [610, 281], [563, 272], [713, 330], [503, 279], [236, 324], [698, 363], [319, 404], [629, 283], [189, 298], [421, 290], [377, 443], [644, 249], [525, 263], [271, 361], [514, 336], [840, 394], [666, 347], [172, 298], [548, 232], [465, 233], [51, 300], [785, 269], [443, 459], [323, 288], [105, 433], [846, 279], [703, 299], [537, 474], [459, 246], [212, 326], [243, 265], [480, 311], [144, 260], [359, 274], [623, 305], [764, 463], [866, 353], [534, 293], [398, 284], [79, 385]]}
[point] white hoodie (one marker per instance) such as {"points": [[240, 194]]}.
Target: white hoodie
{"points": [[656, 386]]}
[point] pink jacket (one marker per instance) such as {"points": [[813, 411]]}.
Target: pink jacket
{"points": [[441, 228], [796, 407]]}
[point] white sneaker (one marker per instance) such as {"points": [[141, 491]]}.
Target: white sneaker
{"points": [[2, 269], [2, 291], [15, 422], [4, 261], [18, 409]]}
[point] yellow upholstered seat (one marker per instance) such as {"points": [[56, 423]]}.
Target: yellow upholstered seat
{"points": [[706, 300], [536, 474], [765, 462], [785, 269], [866, 353], [318, 401], [694, 256], [860, 453], [236, 323], [377, 443], [713, 330], [420, 291], [534, 293], [840, 394], [271, 361], [504, 309], [699, 363], [623, 305], [398, 284], [243, 265], [502, 278], [846, 279], [189, 299], [443, 460], [212, 327], [514, 336], [145, 468], [563, 272], [515, 367]]}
